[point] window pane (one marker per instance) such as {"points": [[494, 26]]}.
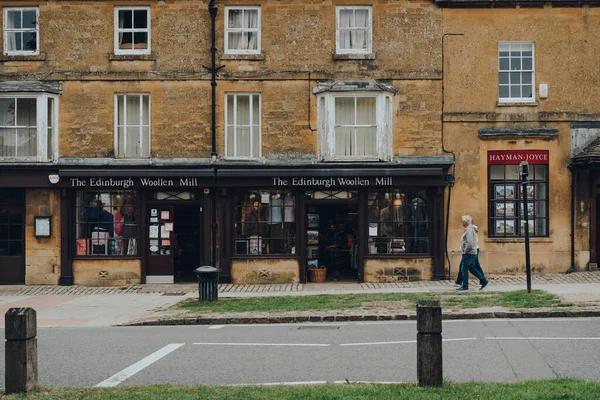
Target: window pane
{"points": [[120, 110], [125, 19], [14, 41], [126, 40], [243, 142], [344, 111], [26, 112], [26, 142], [540, 190], [527, 63], [515, 78], [121, 142], [540, 172], [527, 91], [7, 112], [29, 19], [15, 248], [235, 41], [29, 41], [252, 41], [235, 19], [250, 19], [255, 142], [14, 19], [343, 141], [515, 64], [365, 111], [361, 18], [7, 142], [497, 172], [255, 110], [526, 77], [515, 91], [503, 78], [541, 227], [504, 64], [346, 18], [512, 172], [366, 141], [133, 110], [146, 110], [504, 92], [133, 141], [140, 19], [243, 110], [230, 109], [140, 39], [230, 141]]}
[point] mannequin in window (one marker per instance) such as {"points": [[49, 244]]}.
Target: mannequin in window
{"points": [[253, 228]]}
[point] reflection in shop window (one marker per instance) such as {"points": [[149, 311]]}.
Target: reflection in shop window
{"points": [[265, 222], [399, 222], [106, 223]]}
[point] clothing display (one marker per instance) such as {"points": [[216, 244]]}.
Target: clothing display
{"points": [[275, 212], [290, 208]]}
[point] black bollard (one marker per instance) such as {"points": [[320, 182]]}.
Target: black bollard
{"points": [[429, 343], [21, 350]]}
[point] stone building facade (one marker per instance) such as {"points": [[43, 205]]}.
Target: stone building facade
{"points": [[335, 135]]}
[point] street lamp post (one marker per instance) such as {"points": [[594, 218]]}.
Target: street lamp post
{"points": [[524, 175]]}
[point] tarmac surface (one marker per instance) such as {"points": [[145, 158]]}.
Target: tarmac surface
{"points": [[63, 306]]}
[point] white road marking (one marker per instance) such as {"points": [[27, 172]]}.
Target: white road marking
{"points": [[216, 326], [518, 320], [377, 382], [280, 383], [287, 324], [542, 338], [402, 342], [265, 344], [138, 366]]}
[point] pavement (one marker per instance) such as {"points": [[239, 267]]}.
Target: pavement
{"points": [[150, 304]]}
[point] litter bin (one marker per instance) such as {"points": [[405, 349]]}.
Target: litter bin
{"points": [[208, 279]]}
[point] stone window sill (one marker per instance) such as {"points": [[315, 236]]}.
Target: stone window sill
{"points": [[36, 57], [350, 57], [132, 57], [520, 104], [245, 57], [518, 240]]}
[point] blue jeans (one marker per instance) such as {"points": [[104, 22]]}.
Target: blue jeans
{"points": [[469, 263]]}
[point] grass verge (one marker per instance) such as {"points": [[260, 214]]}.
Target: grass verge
{"points": [[561, 389], [513, 300]]}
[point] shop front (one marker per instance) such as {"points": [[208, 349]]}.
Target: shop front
{"points": [[130, 226], [343, 223]]}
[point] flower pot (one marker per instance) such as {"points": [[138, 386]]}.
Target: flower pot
{"points": [[317, 275]]}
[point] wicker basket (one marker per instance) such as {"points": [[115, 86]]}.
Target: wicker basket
{"points": [[317, 275]]}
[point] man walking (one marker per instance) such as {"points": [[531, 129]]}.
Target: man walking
{"points": [[468, 247], [476, 270]]}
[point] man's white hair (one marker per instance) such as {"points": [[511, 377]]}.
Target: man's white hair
{"points": [[467, 219]]}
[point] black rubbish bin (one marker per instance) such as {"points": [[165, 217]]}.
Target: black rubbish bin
{"points": [[208, 279]]}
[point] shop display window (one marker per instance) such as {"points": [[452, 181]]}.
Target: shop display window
{"points": [[506, 211], [399, 222], [106, 223], [265, 222]]}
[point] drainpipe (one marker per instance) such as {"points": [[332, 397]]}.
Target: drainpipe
{"points": [[213, 82], [451, 177], [571, 168]]}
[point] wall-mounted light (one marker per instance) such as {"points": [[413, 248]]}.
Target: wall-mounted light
{"points": [[53, 178]]}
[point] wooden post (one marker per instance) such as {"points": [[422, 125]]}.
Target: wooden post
{"points": [[429, 343], [21, 350]]}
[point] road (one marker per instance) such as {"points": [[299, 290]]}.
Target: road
{"points": [[474, 350]]}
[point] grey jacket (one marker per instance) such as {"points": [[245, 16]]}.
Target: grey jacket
{"points": [[468, 241]]}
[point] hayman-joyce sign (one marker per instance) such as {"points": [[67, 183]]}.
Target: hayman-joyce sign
{"points": [[516, 156]]}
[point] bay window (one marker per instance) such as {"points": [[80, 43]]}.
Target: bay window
{"points": [[28, 127]]}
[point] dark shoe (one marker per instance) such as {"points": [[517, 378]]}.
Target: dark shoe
{"points": [[484, 284], [462, 289]]}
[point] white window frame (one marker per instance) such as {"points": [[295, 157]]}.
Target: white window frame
{"points": [[257, 30], [254, 154], [369, 48], [532, 71], [44, 154], [117, 30], [326, 126], [141, 124], [6, 30]]}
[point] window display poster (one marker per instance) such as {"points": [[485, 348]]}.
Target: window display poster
{"points": [[313, 220], [164, 234], [169, 226], [165, 242], [165, 214], [82, 247], [154, 212], [264, 198], [153, 232], [312, 237], [373, 229], [154, 219]]}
